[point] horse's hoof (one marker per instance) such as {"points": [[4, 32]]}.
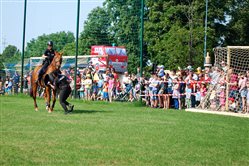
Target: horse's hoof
{"points": [[47, 108], [36, 109], [50, 110]]}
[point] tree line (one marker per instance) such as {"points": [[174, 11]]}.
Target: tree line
{"points": [[173, 31]]}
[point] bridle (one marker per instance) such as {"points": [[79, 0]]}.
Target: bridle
{"points": [[57, 61]]}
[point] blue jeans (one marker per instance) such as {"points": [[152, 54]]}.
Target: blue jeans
{"points": [[176, 103]]}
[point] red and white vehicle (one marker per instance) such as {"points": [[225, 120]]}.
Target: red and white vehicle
{"points": [[113, 57]]}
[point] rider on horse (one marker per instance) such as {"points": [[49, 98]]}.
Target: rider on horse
{"points": [[48, 55]]}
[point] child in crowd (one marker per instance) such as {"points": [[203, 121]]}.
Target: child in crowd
{"points": [[110, 87], [81, 90], [198, 96], [105, 91], [176, 96], [222, 98], [232, 104], [188, 95], [203, 91], [88, 87], [213, 100], [118, 86]]}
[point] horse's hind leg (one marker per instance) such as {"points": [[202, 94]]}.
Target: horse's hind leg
{"points": [[34, 91], [53, 99]]}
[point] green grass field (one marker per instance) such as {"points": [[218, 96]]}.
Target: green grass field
{"points": [[100, 133]]}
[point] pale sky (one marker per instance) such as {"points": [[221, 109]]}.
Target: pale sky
{"points": [[43, 16]]}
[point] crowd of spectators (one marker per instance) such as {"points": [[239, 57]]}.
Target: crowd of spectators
{"points": [[177, 89], [180, 89]]}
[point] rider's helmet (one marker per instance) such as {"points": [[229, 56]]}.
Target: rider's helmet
{"points": [[50, 43]]}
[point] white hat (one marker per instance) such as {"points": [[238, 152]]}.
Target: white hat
{"points": [[190, 67], [222, 87]]}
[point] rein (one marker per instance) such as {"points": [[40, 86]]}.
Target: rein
{"points": [[57, 60]]}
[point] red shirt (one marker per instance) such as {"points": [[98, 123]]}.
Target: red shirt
{"points": [[234, 79], [78, 81]]}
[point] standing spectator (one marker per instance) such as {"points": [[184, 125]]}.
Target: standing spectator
{"points": [[94, 91], [127, 82], [155, 86], [105, 91], [203, 90], [8, 86], [198, 96], [233, 86], [82, 89], [169, 91], [25, 85], [247, 96], [161, 71], [1, 86], [224, 67], [88, 87], [161, 92], [243, 90], [188, 95], [72, 84], [78, 83], [192, 83], [182, 87], [16, 79], [176, 96], [110, 87]]}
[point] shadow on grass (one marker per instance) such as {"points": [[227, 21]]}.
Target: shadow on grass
{"points": [[89, 111]]}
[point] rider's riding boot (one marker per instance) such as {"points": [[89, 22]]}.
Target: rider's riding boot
{"points": [[38, 79]]}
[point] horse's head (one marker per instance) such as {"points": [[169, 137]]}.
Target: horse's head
{"points": [[57, 60]]}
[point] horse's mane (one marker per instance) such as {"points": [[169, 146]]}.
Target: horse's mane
{"points": [[54, 59]]}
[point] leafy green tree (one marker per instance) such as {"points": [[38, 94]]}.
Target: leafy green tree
{"points": [[125, 27], [36, 47], [1, 62], [96, 30], [10, 54], [237, 27], [174, 30]]}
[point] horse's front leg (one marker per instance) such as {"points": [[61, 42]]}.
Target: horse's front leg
{"points": [[33, 94], [47, 99], [53, 98]]}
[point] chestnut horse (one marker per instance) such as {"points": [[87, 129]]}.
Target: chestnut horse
{"points": [[47, 76]]}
